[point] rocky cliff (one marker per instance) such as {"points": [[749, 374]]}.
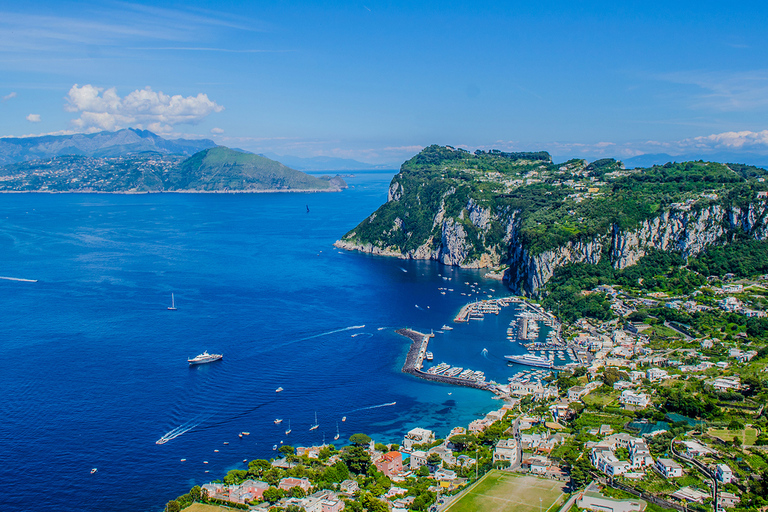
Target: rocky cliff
{"points": [[535, 221]]}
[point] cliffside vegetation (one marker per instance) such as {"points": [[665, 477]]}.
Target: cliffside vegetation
{"points": [[491, 208]]}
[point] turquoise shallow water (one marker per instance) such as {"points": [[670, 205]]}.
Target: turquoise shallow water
{"points": [[94, 368]]}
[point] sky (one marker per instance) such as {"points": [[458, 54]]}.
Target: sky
{"points": [[377, 81]]}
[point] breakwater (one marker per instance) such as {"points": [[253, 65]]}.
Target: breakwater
{"points": [[415, 359]]}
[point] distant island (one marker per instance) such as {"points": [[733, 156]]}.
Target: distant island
{"points": [[133, 161]]}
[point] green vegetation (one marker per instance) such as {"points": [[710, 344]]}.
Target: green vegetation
{"points": [[548, 204]]}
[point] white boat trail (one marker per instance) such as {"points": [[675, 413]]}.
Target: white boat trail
{"points": [[180, 430], [19, 279], [350, 328], [390, 404]]}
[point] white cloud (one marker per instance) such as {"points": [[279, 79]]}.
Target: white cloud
{"points": [[730, 140], [102, 109], [33, 118], [9, 96], [217, 131]]}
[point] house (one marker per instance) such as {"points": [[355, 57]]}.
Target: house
{"points": [[349, 487], [656, 374], [417, 436], [691, 495], [332, 505], [727, 499], [733, 288], [418, 459], [669, 468], [724, 473], [629, 397], [593, 500], [390, 463], [506, 450], [694, 449], [640, 454], [291, 482], [723, 384], [605, 460]]}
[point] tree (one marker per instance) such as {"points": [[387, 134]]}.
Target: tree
{"points": [[296, 492], [195, 493], [286, 449], [172, 506], [272, 494], [258, 467], [462, 442], [360, 439], [356, 458]]}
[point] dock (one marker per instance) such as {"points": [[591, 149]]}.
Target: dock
{"points": [[415, 359]]}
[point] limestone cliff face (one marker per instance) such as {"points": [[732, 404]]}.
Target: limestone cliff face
{"points": [[481, 236]]}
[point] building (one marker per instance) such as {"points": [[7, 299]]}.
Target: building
{"points": [[418, 459], [640, 454], [332, 505], [724, 473], [655, 374], [507, 450], [723, 384], [669, 468], [349, 487], [417, 436], [592, 500], [629, 397], [291, 482], [390, 463]]}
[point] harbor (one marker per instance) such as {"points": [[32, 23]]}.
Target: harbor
{"points": [[414, 362], [549, 353]]}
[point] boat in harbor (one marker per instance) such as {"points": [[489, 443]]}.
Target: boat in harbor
{"points": [[278, 421], [203, 358], [429, 356], [172, 307], [344, 418], [531, 360], [289, 428], [337, 432], [94, 470], [316, 425], [447, 328], [278, 390]]}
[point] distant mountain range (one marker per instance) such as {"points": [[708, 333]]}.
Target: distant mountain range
{"points": [[103, 144]]}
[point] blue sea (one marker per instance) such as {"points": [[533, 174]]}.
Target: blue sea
{"points": [[94, 367]]}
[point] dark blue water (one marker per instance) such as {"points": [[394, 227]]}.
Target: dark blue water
{"points": [[94, 366]]}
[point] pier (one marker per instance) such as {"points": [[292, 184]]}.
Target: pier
{"points": [[415, 359]]}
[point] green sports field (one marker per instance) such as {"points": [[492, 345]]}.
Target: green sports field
{"points": [[499, 491]]}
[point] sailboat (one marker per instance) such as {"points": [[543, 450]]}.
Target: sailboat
{"points": [[337, 431], [172, 307], [289, 428], [316, 425]]}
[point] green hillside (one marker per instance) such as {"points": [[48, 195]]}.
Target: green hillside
{"points": [[222, 168]]}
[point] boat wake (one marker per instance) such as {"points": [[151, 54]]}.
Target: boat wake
{"points": [[350, 328], [178, 431], [370, 335], [19, 279], [390, 404], [401, 268], [485, 353]]}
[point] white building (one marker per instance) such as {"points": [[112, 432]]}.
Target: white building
{"points": [[724, 473], [654, 374], [629, 397], [418, 459], [506, 450], [723, 384], [417, 436], [669, 468]]}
